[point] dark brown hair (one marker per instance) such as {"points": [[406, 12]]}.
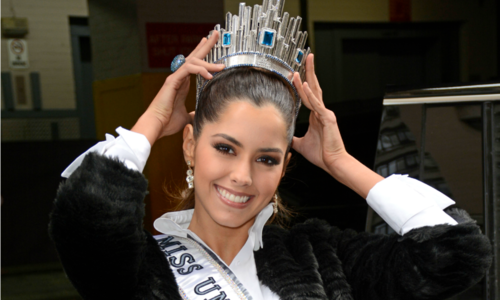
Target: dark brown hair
{"points": [[256, 86]]}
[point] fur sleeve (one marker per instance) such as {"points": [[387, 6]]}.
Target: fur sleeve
{"points": [[96, 224], [426, 263]]}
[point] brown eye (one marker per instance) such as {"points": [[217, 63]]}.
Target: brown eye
{"points": [[224, 149], [267, 160]]}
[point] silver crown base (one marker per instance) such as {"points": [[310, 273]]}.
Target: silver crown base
{"points": [[253, 59]]}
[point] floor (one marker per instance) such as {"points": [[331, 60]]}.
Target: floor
{"points": [[41, 282]]}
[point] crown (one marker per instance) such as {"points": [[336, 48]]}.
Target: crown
{"points": [[263, 37]]}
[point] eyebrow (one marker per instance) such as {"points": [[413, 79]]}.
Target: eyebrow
{"points": [[237, 143]]}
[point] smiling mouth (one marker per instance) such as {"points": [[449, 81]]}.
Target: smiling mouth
{"points": [[232, 197]]}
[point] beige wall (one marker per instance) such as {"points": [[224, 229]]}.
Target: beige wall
{"points": [[49, 48]]}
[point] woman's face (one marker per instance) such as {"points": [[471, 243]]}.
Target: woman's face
{"points": [[238, 163]]}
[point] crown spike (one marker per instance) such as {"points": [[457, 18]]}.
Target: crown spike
{"points": [[239, 41], [299, 22], [265, 6], [278, 28], [253, 35], [281, 7], [267, 22], [291, 52], [217, 28], [304, 40], [241, 13], [210, 54], [294, 28], [255, 17], [229, 17], [234, 31], [288, 34], [235, 26], [284, 23], [275, 23], [300, 35], [279, 47], [248, 19]]}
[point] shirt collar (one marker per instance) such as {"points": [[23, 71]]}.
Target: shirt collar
{"points": [[177, 223]]}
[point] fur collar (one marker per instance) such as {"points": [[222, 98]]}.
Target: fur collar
{"points": [[301, 263]]}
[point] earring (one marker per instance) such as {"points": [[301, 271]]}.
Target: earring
{"points": [[275, 203], [190, 177]]}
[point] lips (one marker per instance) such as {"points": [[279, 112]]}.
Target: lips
{"points": [[231, 196]]}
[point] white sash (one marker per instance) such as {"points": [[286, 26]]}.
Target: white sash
{"points": [[199, 272]]}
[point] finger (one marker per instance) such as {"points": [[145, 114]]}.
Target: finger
{"points": [[205, 48], [210, 67], [311, 77], [300, 90], [187, 69], [318, 106], [315, 103], [296, 142], [200, 44]]}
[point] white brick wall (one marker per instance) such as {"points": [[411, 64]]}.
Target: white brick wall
{"points": [[49, 48]]}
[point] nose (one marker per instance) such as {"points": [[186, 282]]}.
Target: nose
{"points": [[241, 175]]}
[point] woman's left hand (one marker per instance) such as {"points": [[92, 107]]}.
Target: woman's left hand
{"points": [[322, 145]]}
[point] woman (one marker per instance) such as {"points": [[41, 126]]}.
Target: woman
{"points": [[237, 151]]}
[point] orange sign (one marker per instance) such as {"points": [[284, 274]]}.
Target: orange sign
{"points": [[166, 40]]}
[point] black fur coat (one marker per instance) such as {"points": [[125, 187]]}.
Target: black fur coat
{"points": [[96, 225]]}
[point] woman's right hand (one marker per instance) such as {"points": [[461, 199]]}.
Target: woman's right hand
{"points": [[167, 112]]}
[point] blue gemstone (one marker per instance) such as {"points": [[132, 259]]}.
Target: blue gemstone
{"points": [[177, 62], [226, 41], [267, 40], [299, 57]]}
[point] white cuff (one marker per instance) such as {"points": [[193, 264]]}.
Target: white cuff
{"points": [[399, 200], [428, 217], [130, 147]]}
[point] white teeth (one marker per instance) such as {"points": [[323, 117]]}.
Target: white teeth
{"points": [[231, 197]]}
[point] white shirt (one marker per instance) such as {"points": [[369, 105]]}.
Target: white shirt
{"points": [[403, 202]]}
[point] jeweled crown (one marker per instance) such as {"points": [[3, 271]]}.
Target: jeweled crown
{"points": [[263, 37]]}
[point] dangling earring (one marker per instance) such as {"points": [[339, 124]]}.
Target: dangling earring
{"points": [[190, 177], [275, 203]]}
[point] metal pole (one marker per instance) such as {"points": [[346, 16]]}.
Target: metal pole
{"points": [[491, 186]]}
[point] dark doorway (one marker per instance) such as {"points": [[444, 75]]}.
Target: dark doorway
{"points": [[358, 61], [355, 64]]}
